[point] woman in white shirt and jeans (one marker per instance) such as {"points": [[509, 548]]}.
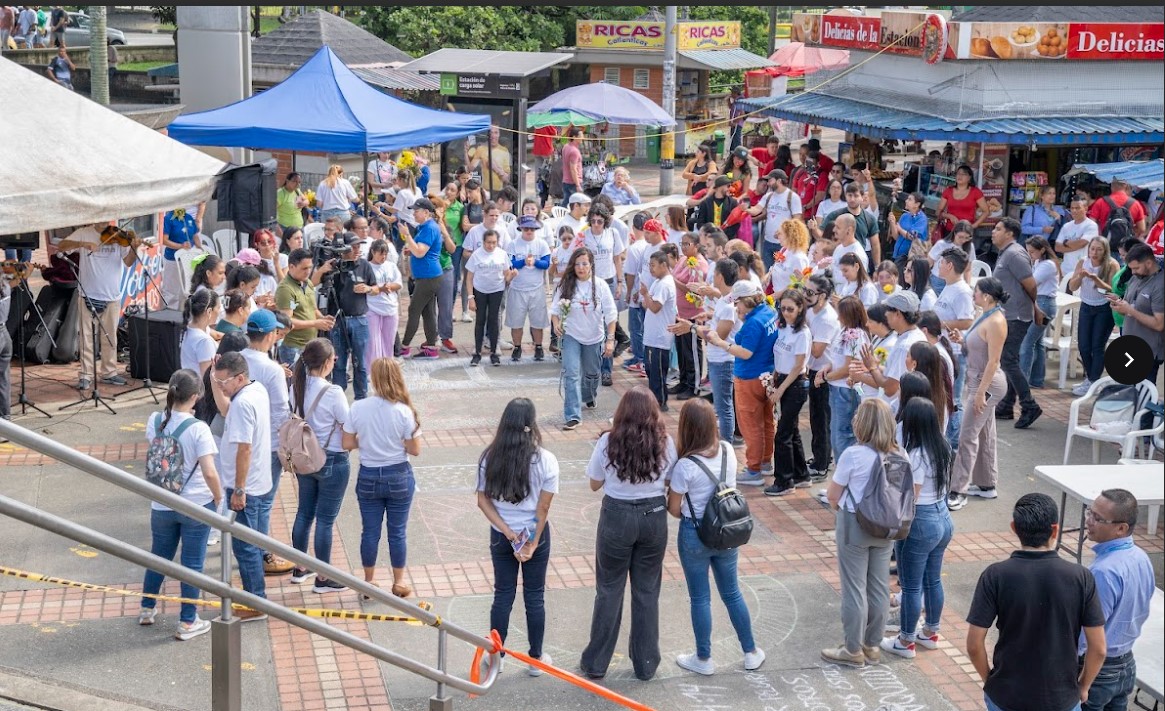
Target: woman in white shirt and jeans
{"points": [[387, 431], [516, 481], [584, 315], [630, 463], [335, 194], [200, 486], [702, 452], [790, 354], [1046, 270], [325, 408]]}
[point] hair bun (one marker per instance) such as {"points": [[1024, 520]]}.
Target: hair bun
{"points": [[1004, 298]]}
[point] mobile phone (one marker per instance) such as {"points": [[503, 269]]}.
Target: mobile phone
{"points": [[987, 397]]}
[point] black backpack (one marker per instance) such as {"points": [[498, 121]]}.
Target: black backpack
{"points": [[726, 523], [1120, 221]]}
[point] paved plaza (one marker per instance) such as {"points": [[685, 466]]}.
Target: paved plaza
{"points": [[79, 641]]}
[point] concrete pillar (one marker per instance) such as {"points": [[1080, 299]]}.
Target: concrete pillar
{"points": [[214, 53]]}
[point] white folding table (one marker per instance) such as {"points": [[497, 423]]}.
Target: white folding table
{"points": [[1149, 651]]}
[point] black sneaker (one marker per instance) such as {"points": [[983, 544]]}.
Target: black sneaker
{"points": [[591, 405], [495, 359], [685, 395], [1002, 413], [301, 575], [538, 354], [1027, 417], [676, 389], [571, 424], [778, 490], [476, 359], [517, 354], [607, 380], [327, 586]]}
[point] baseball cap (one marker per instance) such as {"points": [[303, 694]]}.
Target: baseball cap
{"points": [[579, 199], [527, 222], [904, 301], [349, 239], [721, 182], [261, 321], [778, 174], [248, 256], [745, 287], [422, 204]]}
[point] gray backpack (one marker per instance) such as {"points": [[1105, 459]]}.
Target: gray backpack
{"points": [[886, 510]]}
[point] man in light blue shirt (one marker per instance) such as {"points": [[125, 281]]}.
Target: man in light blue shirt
{"points": [[1125, 584]]}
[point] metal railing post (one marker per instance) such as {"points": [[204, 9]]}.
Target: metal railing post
{"points": [[441, 702], [226, 643]]}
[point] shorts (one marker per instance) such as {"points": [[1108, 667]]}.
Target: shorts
{"points": [[523, 304]]}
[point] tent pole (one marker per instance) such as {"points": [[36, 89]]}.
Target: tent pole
{"points": [[367, 199], [487, 171], [293, 161]]}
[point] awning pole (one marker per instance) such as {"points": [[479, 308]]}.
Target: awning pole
{"points": [[364, 182]]}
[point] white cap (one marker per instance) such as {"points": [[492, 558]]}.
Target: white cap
{"points": [[745, 287], [579, 199]]}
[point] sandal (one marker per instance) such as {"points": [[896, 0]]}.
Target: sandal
{"points": [[401, 590]]}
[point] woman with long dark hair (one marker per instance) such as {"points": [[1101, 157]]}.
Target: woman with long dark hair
{"points": [[696, 172], [920, 555], [325, 408], [855, 281], [702, 452], [927, 359], [916, 275], [630, 463], [583, 315], [790, 391], [200, 486], [516, 480]]}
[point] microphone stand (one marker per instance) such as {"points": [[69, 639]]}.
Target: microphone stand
{"points": [[147, 384], [22, 399], [96, 332]]}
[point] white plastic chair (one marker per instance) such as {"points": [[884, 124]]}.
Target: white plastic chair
{"points": [[311, 233], [1130, 441], [980, 269], [558, 212], [1062, 336], [225, 243]]}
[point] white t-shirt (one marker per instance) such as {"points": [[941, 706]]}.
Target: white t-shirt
{"points": [[488, 269], [197, 348], [403, 204], [267, 285], [523, 515], [592, 309], [605, 246], [936, 252], [655, 333], [778, 208], [1046, 276], [846, 344], [195, 442], [473, 238], [782, 272], [853, 469], [928, 300], [529, 278], [599, 469], [270, 375], [632, 261], [856, 248], [896, 361], [867, 294], [827, 206], [384, 170], [723, 310], [327, 419], [382, 427], [337, 198], [1072, 231], [1088, 292], [386, 303], [789, 345], [645, 278], [824, 327], [100, 270], [248, 422], [688, 478], [922, 470], [675, 236], [956, 303]]}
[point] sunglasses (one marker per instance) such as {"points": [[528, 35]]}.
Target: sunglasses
{"points": [[788, 309]]}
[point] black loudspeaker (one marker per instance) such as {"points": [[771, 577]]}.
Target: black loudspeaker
{"points": [[24, 240], [165, 342], [246, 196]]}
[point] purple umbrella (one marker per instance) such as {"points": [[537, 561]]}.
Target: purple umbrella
{"points": [[606, 102]]}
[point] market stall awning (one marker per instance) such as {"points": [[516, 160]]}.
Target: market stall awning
{"points": [[723, 59], [883, 122], [796, 59], [1143, 174]]}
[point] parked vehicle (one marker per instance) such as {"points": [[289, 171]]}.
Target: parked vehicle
{"points": [[77, 32]]}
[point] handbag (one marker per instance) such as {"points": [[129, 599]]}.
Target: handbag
{"points": [[594, 175]]}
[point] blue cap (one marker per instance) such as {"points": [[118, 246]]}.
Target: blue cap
{"points": [[526, 222], [261, 321]]}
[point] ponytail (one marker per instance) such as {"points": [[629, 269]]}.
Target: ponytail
{"points": [[199, 303], [316, 355], [184, 384]]}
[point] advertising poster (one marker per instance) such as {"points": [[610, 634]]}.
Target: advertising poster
{"points": [[1061, 40], [993, 179]]}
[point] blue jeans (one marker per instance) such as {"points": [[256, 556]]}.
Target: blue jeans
{"points": [[843, 403], [320, 496], [696, 558], [385, 493], [20, 255], [1032, 354], [955, 421], [169, 528], [767, 251], [248, 555], [1113, 684], [288, 355], [991, 706], [635, 326], [1096, 324], [920, 564], [580, 375], [720, 377], [506, 568], [350, 338], [938, 284]]}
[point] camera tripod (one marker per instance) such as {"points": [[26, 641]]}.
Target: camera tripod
{"points": [[22, 399]]}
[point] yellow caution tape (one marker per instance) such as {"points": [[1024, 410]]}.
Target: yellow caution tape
{"points": [[308, 611]]}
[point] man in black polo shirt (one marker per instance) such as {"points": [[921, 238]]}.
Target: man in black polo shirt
{"points": [[1041, 602], [354, 281]]}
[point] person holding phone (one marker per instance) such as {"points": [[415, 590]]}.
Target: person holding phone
{"points": [[983, 345], [1093, 277]]}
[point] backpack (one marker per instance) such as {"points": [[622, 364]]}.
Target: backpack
{"points": [[1120, 221], [886, 510], [1114, 408], [164, 461], [299, 448], [726, 523]]}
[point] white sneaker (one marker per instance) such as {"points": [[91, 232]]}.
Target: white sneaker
{"points": [[505, 345], [973, 490], [694, 664], [466, 318], [753, 659], [893, 645], [147, 615], [1082, 389], [190, 631], [535, 671], [214, 538]]}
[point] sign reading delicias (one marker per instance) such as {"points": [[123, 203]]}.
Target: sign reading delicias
{"points": [[604, 34]]}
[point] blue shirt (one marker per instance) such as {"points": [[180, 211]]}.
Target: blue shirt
{"points": [[917, 224], [1125, 584], [180, 231], [757, 334], [1035, 219], [428, 266]]}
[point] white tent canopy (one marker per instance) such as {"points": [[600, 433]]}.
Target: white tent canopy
{"points": [[90, 164]]}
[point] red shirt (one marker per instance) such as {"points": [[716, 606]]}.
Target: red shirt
{"points": [[1154, 238], [765, 161], [963, 209], [824, 164], [544, 141], [1099, 210], [806, 189]]}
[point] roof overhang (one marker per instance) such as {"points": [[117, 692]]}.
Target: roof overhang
{"points": [[704, 59], [451, 60]]}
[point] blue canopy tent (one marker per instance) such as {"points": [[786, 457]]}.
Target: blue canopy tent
{"points": [[323, 106]]}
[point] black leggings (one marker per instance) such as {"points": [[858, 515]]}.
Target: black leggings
{"points": [[423, 307], [489, 308]]}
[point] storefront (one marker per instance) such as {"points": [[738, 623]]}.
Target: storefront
{"points": [[993, 93], [630, 54]]}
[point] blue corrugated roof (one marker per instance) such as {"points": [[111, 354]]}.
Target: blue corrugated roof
{"points": [[882, 122], [1146, 174]]}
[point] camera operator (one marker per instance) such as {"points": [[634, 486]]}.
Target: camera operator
{"points": [[295, 297], [353, 282]]}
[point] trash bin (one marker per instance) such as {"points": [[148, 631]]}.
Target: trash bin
{"points": [[653, 144], [720, 138]]}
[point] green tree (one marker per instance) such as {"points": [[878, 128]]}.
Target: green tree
{"points": [[422, 29], [98, 57]]}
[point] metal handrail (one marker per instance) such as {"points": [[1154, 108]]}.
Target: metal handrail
{"points": [[100, 541]]}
